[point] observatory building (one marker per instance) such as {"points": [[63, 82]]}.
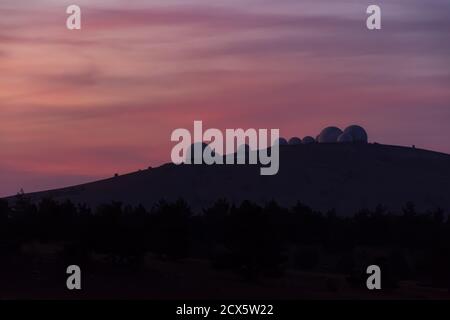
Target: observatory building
{"points": [[345, 138], [357, 133], [353, 133], [308, 140], [191, 157], [329, 135], [281, 141], [295, 141]]}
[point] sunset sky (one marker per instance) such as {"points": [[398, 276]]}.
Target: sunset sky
{"points": [[76, 106]]}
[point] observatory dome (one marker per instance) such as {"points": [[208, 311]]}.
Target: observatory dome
{"points": [[243, 148], [308, 140], [244, 153], [191, 153], [329, 135], [345, 137], [281, 141], [357, 133], [295, 141]]}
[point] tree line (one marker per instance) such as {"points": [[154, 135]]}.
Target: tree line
{"points": [[250, 239]]}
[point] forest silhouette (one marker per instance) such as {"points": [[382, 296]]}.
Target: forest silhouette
{"points": [[248, 240]]}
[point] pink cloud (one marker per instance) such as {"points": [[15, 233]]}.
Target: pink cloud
{"points": [[75, 106]]}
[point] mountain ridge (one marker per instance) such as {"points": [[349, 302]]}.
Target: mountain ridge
{"points": [[344, 177]]}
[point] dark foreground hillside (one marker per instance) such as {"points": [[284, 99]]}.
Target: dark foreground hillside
{"points": [[224, 251], [346, 177]]}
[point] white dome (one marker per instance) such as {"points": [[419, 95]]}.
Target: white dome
{"points": [[295, 141], [308, 140], [357, 133], [329, 135], [345, 137]]}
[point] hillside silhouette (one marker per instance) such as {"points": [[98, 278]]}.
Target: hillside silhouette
{"points": [[184, 231], [344, 177]]}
